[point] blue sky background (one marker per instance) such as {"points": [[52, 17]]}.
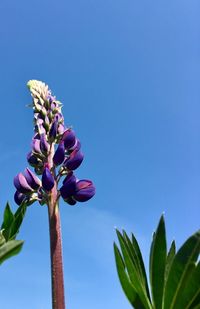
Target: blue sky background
{"points": [[127, 73]]}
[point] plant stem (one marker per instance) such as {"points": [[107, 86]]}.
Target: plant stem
{"points": [[58, 299], [57, 278]]}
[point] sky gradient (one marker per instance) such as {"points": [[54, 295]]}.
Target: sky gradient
{"points": [[127, 73]]}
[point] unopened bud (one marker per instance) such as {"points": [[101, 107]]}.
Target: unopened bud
{"points": [[47, 179]]}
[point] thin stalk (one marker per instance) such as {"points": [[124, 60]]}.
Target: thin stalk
{"points": [[57, 278]]}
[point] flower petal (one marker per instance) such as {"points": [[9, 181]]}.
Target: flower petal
{"points": [[59, 155], [85, 191], [74, 161], [33, 181], [21, 184], [69, 138], [69, 186], [19, 197], [47, 179]]}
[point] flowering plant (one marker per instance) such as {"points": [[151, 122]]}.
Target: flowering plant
{"points": [[55, 153]]}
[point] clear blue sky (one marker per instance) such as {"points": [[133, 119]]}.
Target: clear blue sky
{"points": [[127, 73]]}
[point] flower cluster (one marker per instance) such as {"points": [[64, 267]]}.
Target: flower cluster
{"points": [[55, 152]]}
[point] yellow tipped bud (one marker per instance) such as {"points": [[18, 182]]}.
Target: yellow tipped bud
{"points": [[38, 88]]}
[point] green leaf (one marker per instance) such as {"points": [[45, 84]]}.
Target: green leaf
{"points": [[127, 286], [180, 272], [158, 254], [196, 302], [7, 221], [137, 259], [133, 272], [190, 288], [9, 249], [18, 218], [170, 257], [2, 238], [196, 307], [141, 262]]}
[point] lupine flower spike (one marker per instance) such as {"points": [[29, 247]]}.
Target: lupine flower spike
{"points": [[55, 152]]}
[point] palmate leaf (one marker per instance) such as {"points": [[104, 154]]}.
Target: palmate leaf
{"points": [[127, 286], [158, 254], [133, 273], [10, 248], [178, 293]]}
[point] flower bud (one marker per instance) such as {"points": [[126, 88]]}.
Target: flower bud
{"points": [[69, 138], [46, 123], [85, 190], [33, 181], [36, 146], [19, 197], [44, 145], [59, 116], [77, 146], [40, 129], [59, 155], [39, 121], [39, 169], [32, 159], [51, 98], [37, 107], [69, 187], [53, 130], [74, 160], [21, 184], [47, 179], [70, 200], [61, 129]]}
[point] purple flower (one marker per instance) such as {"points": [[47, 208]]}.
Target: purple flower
{"points": [[45, 156], [47, 179], [21, 184], [69, 187], [69, 138], [44, 145], [70, 200], [51, 98], [59, 155], [33, 181], [73, 190], [54, 129], [32, 159], [77, 146], [36, 146], [40, 128], [61, 128], [19, 197], [59, 116], [74, 160], [85, 190]]}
